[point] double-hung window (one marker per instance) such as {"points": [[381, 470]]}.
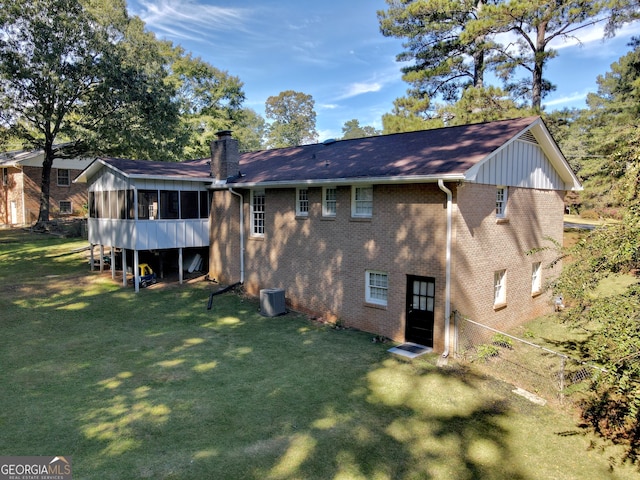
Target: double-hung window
{"points": [[257, 213], [362, 201], [499, 288], [377, 287], [329, 197], [64, 179], [302, 202], [501, 202]]}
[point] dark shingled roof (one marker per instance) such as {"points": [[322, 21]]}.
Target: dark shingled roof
{"points": [[449, 151], [443, 151], [190, 169]]}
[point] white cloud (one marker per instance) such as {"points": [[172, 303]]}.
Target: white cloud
{"points": [[359, 88], [571, 98], [189, 19]]}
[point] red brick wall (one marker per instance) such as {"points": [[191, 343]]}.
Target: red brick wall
{"points": [[11, 193], [484, 245], [321, 262], [76, 193]]}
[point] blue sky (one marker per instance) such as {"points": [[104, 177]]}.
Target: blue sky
{"points": [[334, 51]]}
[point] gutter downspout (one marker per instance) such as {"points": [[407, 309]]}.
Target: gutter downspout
{"points": [[447, 301], [239, 195]]}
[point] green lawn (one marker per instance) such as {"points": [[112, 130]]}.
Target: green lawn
{"points": [[154, 385]]}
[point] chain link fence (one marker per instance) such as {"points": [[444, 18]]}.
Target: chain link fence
{"points": [[539, 370]]}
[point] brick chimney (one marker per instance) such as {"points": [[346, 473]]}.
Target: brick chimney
{"points": [[225, 157]]}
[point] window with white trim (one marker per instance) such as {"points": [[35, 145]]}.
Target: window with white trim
{"points": [[536, 277], [65, 207], [329, 197], [362, 201], [257, 213], [376, 287], [302, 202], [500, 287], [501, 202], [64, 179]]}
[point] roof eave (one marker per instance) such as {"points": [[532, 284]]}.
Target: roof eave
{"points": [[401, 179]]}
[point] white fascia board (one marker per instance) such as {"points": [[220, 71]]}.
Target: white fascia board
{"points": [[167, 178], [454, 177], [555, 156]]}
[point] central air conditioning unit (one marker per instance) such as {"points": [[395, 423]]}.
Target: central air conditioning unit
{"points": [[272, 302]]}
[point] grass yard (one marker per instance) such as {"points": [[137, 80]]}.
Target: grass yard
{"points": [[154, 385]]}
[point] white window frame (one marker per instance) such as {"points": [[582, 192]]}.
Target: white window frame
{"points": [[536, 278], [257, 213], [376, 287], [499, 288], [502, 194], [302, 202], [362, 207], [66, 180], [65, 211], [329, 205]]}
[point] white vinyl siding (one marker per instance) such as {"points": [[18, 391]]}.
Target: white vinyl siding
{"points": [[520, 164]]}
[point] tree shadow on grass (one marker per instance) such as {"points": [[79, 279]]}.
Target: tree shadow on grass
{"points": [[156, 386]]}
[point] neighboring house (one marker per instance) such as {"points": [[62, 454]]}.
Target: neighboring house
{"points": [[387, 234], [21, 178]]}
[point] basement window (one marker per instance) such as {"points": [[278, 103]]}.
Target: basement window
{"points": [[65, 207], [499, 288], [376, 287]]}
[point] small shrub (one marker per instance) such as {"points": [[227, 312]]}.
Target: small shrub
{"points": [[487, 351], [590, 214], [502, 341]]}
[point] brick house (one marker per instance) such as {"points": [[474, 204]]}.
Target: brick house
{"points": [[21, 174], [391, 234], [387, 234]]}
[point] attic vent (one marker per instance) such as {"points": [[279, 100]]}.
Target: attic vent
{"points": [[528, 137], [329, 141]]}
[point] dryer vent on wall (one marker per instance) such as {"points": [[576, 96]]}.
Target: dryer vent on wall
{"points": [[272, 302]]}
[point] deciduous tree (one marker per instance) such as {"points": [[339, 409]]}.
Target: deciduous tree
{"points": [[293, 119], [67, 76]]}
